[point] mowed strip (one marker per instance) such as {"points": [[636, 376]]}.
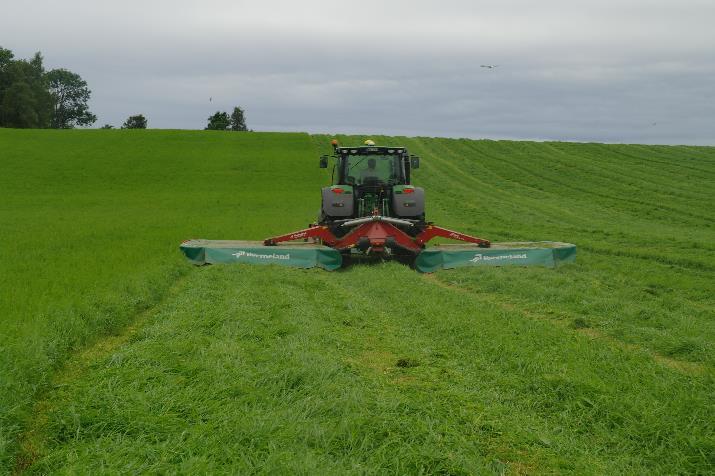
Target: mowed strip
{"points": [[371, 369], [646, 265]]}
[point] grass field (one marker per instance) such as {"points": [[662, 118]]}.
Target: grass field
{"points": [[119, 357]]}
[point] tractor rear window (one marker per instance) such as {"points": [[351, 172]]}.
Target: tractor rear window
{"points": [[362, 169]]}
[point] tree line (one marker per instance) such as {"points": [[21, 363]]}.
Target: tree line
{"points": [[31, 97], [220, 121]]}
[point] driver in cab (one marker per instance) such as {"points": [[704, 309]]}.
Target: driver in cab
{"points": [[370, 173]]}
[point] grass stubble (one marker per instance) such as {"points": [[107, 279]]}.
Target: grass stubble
{"points": [[249, 370]]}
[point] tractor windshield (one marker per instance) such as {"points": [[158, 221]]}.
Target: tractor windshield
{"points": [[373, 169]]}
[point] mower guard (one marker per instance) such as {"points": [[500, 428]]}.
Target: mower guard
{"points": [[429, 260], [296, 255], [540, 253]]}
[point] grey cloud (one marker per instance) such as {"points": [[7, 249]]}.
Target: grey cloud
{"points": [[602, 71]]}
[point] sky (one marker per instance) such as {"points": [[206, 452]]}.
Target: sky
{"points": [[627, 71]]}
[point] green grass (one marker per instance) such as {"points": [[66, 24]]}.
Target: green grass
{"points": [[244, 370], [605, 366], [91, 221]]}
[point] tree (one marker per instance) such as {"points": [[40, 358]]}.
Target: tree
{"points": [[107, 126], [238, 120], [5, 57], [70, 94], [19, 106], [218, 122], [135, 122], [25, 100]]}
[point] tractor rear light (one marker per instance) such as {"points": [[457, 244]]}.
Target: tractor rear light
{"points": [[338, 190], [408, 190]]}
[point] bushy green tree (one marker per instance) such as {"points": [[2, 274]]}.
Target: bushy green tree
{"points": [[135, 122], [25, 100], [238, 119], [6, 58], [70, 94], [32, 98], [218, 122], [107, 126], [19, 106]]}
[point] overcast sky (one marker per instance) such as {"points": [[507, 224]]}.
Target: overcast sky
{"points": [[605, 70]]}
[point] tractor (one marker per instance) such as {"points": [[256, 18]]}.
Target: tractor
{"points": [[372, 208]]}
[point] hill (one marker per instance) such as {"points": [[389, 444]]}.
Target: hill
{"points": [[117, 354]]}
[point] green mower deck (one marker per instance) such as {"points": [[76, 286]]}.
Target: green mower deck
{"points": [[538, 253], [296, 255], [433, 258]]}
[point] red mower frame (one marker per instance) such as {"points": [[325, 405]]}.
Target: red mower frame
{"points": [[374, 234]]}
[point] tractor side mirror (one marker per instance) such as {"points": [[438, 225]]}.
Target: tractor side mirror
{"points": [[414, 162], [324, 162]]}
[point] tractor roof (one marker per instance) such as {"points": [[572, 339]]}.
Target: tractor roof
{"points": [[370, 150]]}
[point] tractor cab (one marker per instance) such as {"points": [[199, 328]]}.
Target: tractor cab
{"points": [[370, 165], [371, 180]]}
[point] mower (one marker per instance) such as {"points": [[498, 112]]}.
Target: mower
{"points": [[372, 210]]}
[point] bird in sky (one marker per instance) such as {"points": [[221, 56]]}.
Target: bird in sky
{"points": [[489, 66], [211, 99]]}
